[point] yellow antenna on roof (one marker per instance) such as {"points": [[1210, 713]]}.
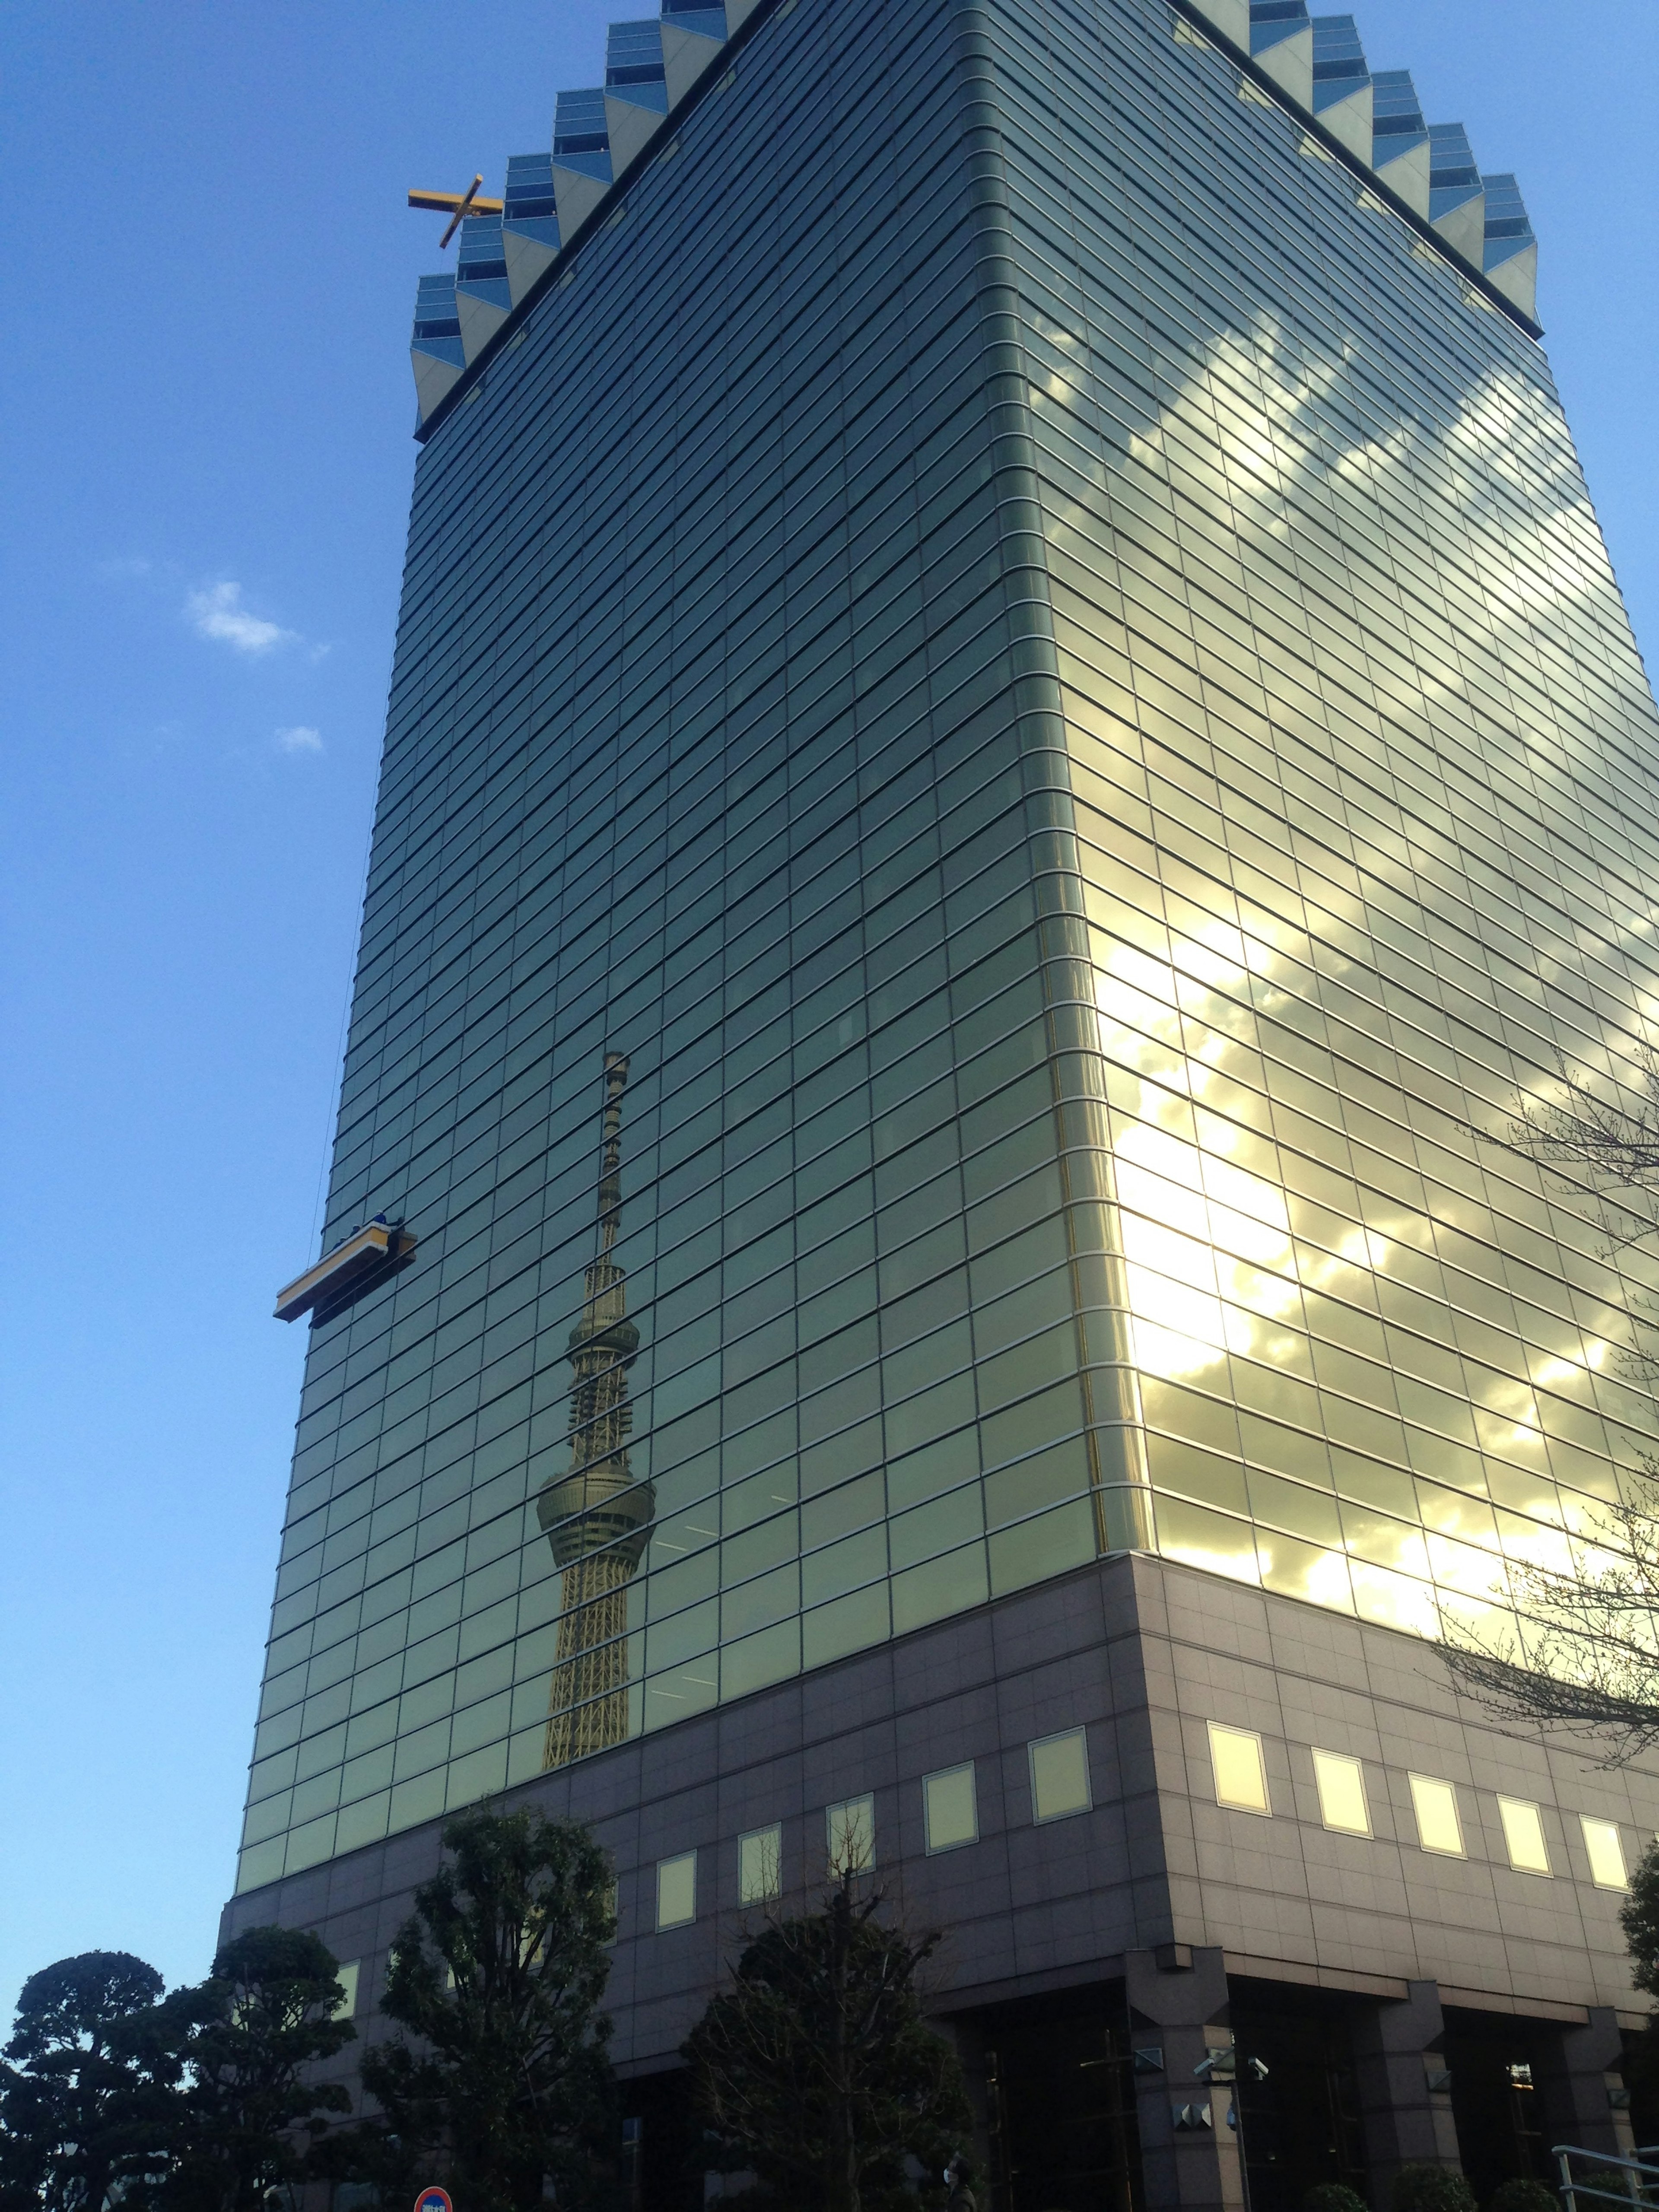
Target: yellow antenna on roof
{"points": [[456, 205]]}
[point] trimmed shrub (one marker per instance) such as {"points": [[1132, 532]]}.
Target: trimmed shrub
{"points": [[1337, 2197], [1431, 2189], [1524, 2195]]}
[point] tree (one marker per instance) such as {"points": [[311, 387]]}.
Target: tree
{"points": [[816, 2071], [88, 2092], [1639, 1917], [265, 2013], [1592, 1629], [500, 1973], [1594, 1140]]}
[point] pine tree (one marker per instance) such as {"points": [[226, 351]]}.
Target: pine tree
{"points": [[89, 2087]]}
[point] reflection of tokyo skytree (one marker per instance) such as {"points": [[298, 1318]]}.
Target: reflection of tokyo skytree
{"points": [[596, 1517]]}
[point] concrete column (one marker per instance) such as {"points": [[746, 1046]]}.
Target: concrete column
{"points": [[1573, 2090], [1405, 2094], [1178, 2013]]}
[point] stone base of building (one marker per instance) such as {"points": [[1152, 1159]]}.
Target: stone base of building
{"points": [[1407, 2004]]}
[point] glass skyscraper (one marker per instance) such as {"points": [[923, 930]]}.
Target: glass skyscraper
{"points": [[1012, 751]]}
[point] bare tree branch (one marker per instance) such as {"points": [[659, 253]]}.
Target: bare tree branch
{"points": [[1590, 1656]]}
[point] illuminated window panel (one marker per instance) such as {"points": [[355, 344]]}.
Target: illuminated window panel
{"points": [[676, 1891], [760, 1862], [1060, 1776], [950, 1808], [1604, 1847], [1439, 1829], [1341, 1784], [1240, 1773], [1523, 1836]]}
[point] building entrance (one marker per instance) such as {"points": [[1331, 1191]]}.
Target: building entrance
{"points": [[1301, 2121], [1495, 2061], [1060, 2105]]}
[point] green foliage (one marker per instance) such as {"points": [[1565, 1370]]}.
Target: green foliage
{"points": [[88, 2091], [265, 2013], [1334, 2196], [816, 2071], [499, 1974], [1431, 2189], [182, 2103], [1524, 2195], [1638, 1915]]}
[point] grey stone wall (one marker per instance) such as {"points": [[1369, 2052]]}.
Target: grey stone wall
{"points": [[1142, 1654]]}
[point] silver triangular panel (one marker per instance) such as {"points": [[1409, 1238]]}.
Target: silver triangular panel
{"points": [[527, 256], [1231, 17], [435, 379], [480, 319], [687, 56], [1407, 176], [1518, 279], [1349, 122], [1289, 65], [631, 129], [576, 196]]}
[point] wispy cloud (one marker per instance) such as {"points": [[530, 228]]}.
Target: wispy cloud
{"points": [[300, 739], [126, 566], [218, 612]]}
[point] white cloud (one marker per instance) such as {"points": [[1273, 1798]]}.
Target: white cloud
{"points": [[300, 739], [218, 612]]}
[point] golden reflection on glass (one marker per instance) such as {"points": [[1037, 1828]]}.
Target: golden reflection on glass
{"points": [[1359, 1379]]}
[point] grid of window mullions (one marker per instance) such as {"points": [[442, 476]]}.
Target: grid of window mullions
{"points": [[804, 1164], [1404, 964]]}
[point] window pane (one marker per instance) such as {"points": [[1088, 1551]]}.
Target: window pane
{"points": [[1241, 1778], [760, 1859], [1342, 1793], [1060, 1776], [1438, 1828], [676, 1890], [850, 1835], [346, 1976], [1523, 1835], [1606, 1851], [951, 1809]]}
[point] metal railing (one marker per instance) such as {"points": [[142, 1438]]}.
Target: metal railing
{"points": [[1604, 2178]]}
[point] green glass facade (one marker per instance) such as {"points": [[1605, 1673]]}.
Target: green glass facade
{"points": [[1041, 666]]}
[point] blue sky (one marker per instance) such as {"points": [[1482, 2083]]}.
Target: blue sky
{"points": [[208, 457]]}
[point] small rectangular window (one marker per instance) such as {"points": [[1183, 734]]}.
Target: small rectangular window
{"points": [[1523, 1835], [1606, 1851], [346, 1975], [1438, 1828], [1241, 1777], [1060, 1775], [951, 1805], [1341, 1783], [676, 1890], [850, 1835], [760, 1864]]}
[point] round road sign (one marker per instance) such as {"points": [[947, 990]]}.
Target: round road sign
{"points": [[434, 2200]]}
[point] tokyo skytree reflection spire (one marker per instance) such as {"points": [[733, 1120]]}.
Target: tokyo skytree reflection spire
{"points": [[597, 1518]]}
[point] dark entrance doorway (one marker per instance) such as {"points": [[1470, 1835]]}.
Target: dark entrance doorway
{"points": [[1301, 2123], [661, 2169], [1495, 2062], [1061, 2104]]}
